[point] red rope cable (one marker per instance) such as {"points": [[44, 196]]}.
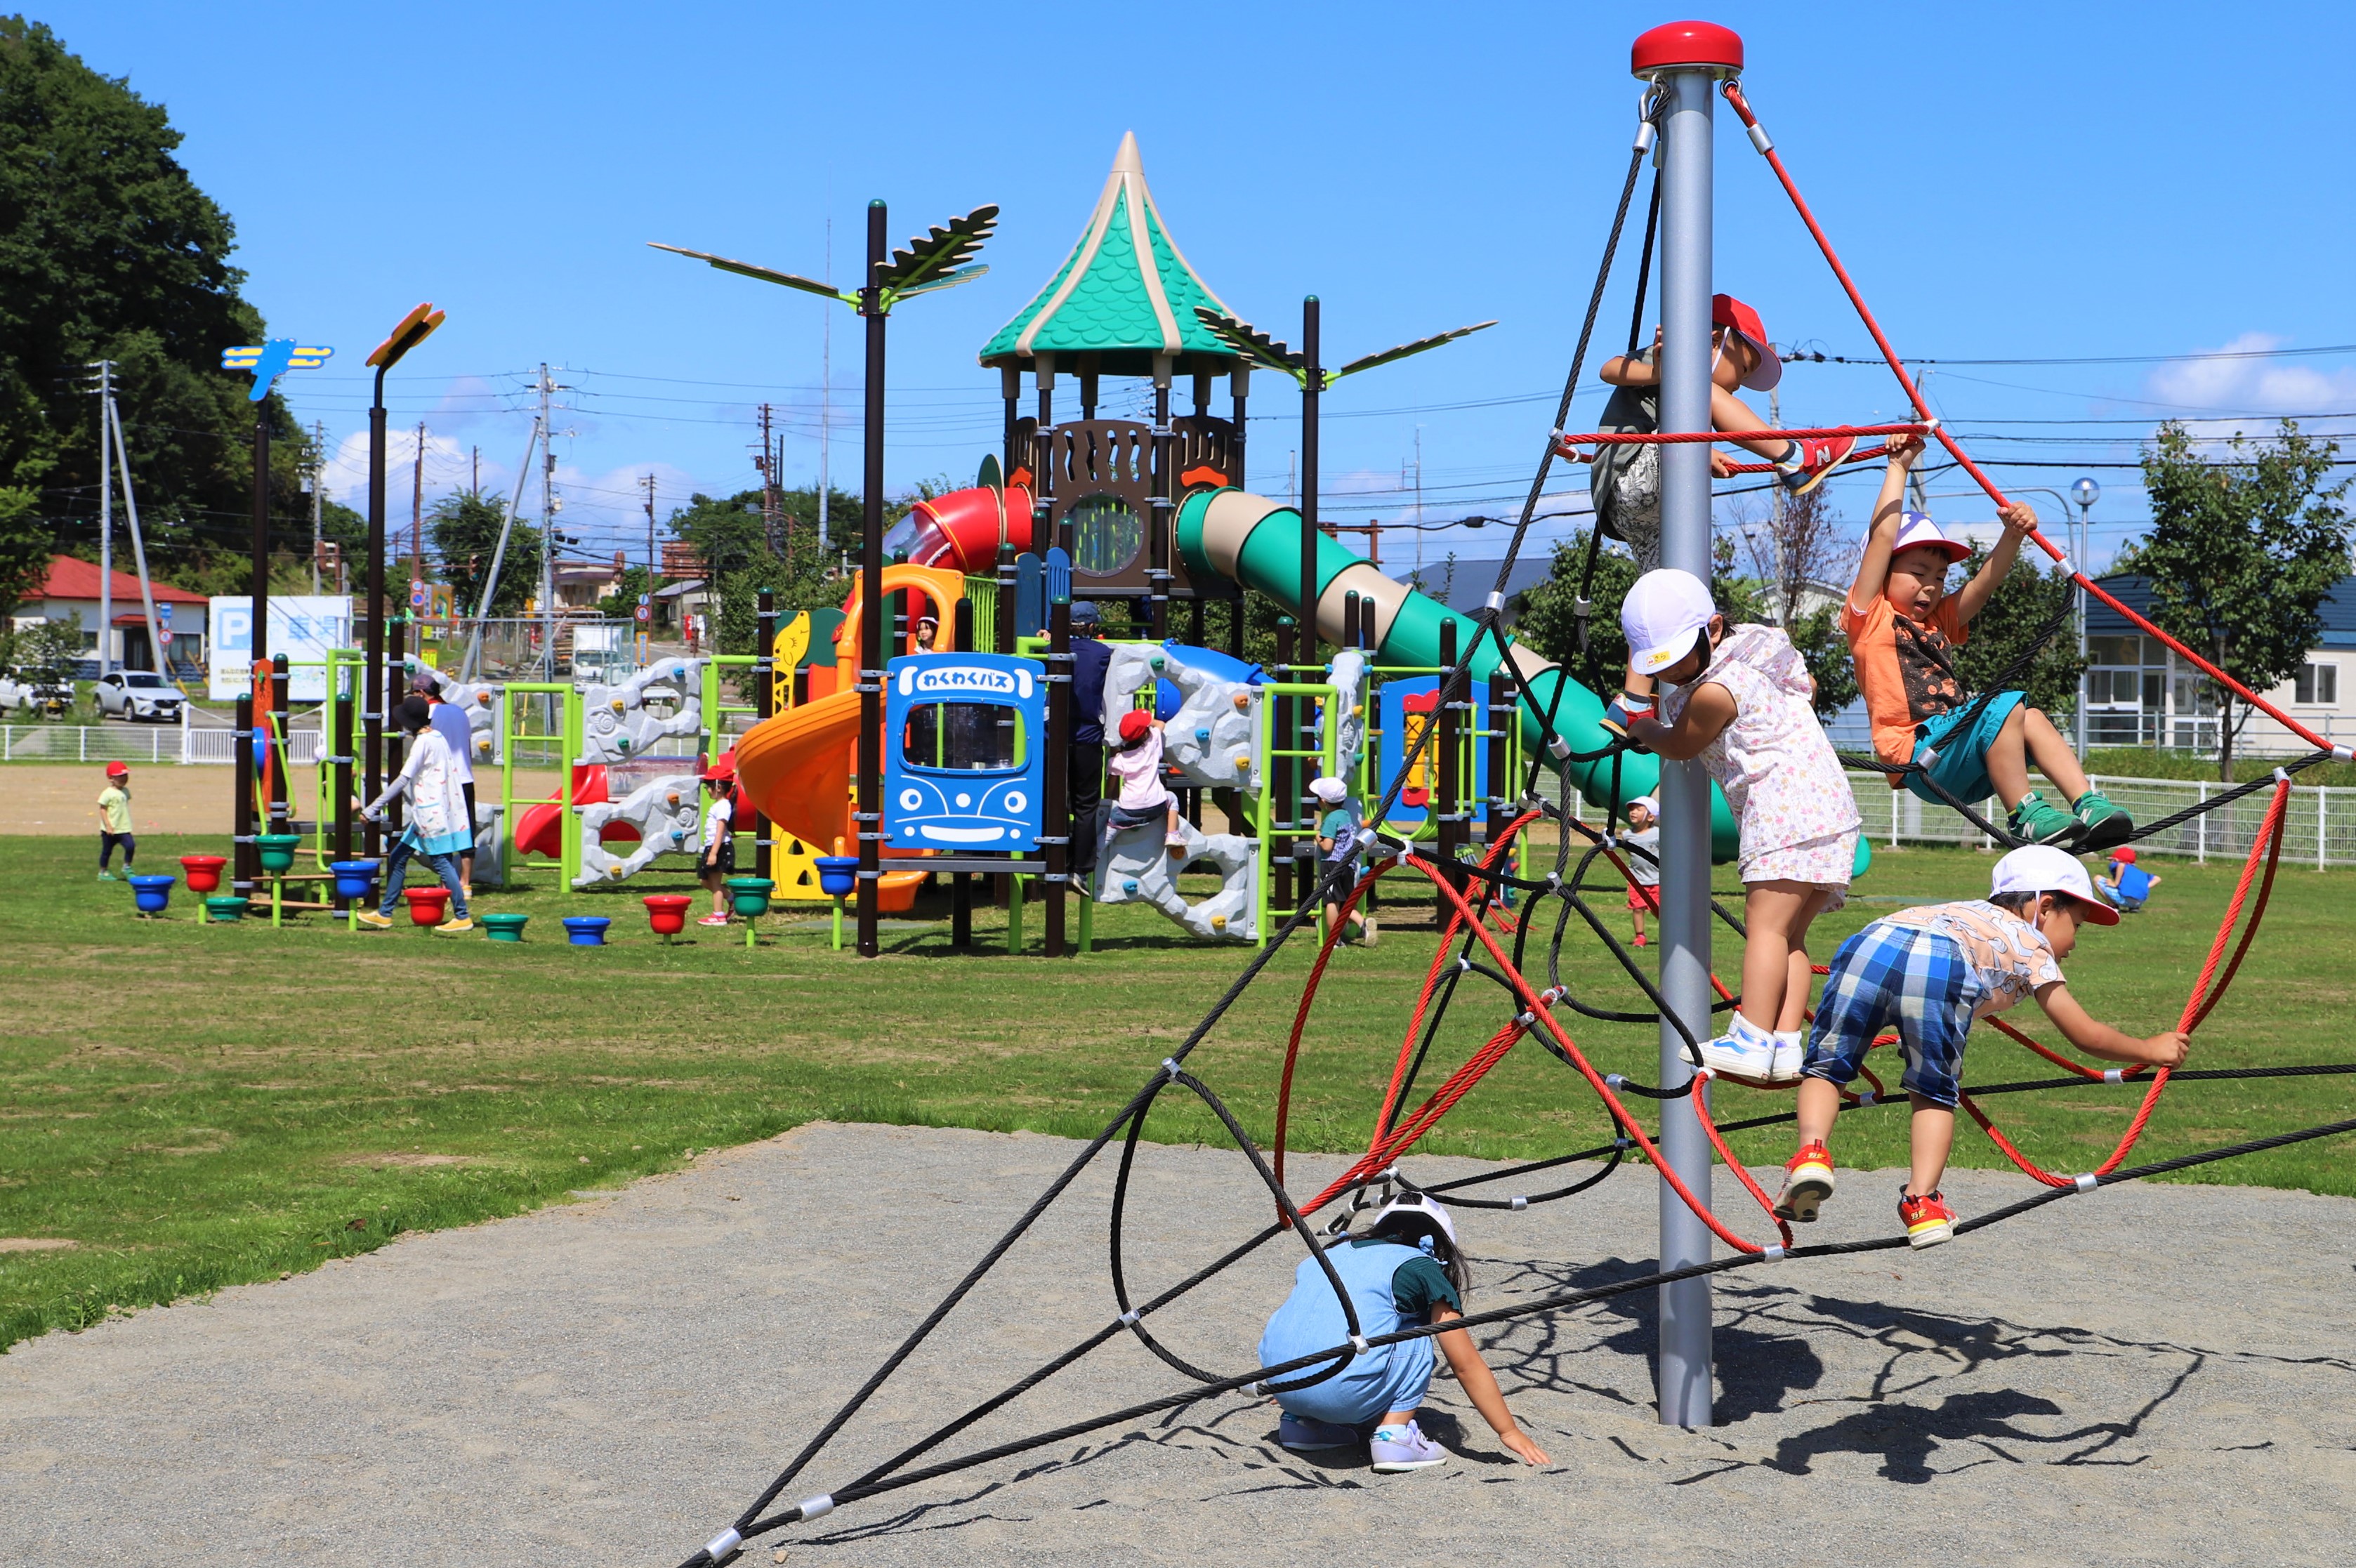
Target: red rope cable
{"points": [[1955, 448], [1701, 1115], [2266, 847], [1683, 437]]}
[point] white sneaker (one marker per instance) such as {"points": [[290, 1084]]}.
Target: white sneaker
{"points": [[1396, 1449], [1745, 1051], [1791, 1052]]}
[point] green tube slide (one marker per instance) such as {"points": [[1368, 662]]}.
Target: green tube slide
{"points": [[1255, 541]]}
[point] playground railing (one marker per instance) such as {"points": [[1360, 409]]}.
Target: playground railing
{"points": [[155, 744], [2319, 829]]}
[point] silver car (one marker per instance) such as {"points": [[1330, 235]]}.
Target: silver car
{"points": [[136, 694]]}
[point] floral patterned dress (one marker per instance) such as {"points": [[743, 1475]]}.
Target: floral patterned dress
{"points": [[1782, 780]]}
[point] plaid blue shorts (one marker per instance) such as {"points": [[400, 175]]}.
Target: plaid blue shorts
{"points": [[1903, 976]]}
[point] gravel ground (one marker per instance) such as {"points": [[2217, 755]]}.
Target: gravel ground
{"points": [[2152, 1374]]}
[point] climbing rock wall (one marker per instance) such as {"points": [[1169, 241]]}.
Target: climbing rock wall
{"points": [[665, 812], [1136, 866], [615, 725]]}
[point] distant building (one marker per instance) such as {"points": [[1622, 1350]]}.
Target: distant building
{"points": [[71, 593], [2136, 693]]}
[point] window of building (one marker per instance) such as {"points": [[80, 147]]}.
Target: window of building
{"points": [[963, 737], [2317, 684]]}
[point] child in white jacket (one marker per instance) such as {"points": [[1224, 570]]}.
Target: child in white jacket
{"points": [[437, 830]]}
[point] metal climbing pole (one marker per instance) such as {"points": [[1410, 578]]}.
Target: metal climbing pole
{"points": [[1688, 58]]}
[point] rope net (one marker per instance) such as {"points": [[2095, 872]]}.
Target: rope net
{"points": [[1491, 920]]}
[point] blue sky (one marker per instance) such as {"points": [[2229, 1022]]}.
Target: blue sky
{"points": [[2032, 183]]}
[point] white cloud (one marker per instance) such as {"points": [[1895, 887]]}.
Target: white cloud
{"points": [[2266, 390]]}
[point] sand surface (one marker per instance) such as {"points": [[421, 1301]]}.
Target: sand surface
{"points": [[2145, 1375], [50, 798]]}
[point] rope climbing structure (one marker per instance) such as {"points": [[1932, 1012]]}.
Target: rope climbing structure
{"points": [[1509, 940]]}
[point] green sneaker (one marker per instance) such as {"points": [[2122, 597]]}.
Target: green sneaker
{"points": [[2034, 822], [106, 875], [2107, 826]]}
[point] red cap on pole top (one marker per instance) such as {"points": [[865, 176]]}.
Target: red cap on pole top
{"points": [[1688, 45]]}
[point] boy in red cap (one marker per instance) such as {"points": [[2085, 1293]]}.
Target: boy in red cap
{"points": [[1625, 480], [115, 820], [2128, 884], [1903, 626], [1137, 763]]}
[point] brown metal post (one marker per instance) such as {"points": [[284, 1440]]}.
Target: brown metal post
{"points": [[372, 681], [1056, 800], [339, 725], [1311, 387], [868, 819], [260, 588], [243, 857], [960, 885], [396, 745], [1283, 793], [1164, 505], [764, 704], [1448, 798], [1496, 713], [279, 740]]}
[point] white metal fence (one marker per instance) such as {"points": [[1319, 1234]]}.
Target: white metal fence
{"points": [[2320, 831], [138, 743]]}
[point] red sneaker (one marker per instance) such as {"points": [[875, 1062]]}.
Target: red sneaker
{"points": [[1927, 1218], [1808, 1182], [1818, 458], [1640, 942]]}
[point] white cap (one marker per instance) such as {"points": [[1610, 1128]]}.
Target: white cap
{"points": [[1660, 616], [2042, 869], [1647, 802], [1916, 529], [1415, 1206], [1328, 789]]}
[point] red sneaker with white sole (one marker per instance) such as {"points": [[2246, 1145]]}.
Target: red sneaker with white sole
{"points": [[1818, 458], [1808, 1182], [1927, 1218]]}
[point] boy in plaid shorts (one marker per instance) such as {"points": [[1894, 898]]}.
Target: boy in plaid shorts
{"points": [[1928, 973]]}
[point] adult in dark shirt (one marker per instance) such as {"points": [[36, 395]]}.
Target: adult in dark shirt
{"points": [[1084, 772]]}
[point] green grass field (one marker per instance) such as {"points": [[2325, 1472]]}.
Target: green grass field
{"points": [[194, 1106]]}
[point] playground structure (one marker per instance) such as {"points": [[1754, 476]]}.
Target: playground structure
{"points": [[1220, 532]]}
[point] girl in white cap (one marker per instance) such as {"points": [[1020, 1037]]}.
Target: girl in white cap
{"points": [[1408, 1269], [1741, 699], [1929, 972]]}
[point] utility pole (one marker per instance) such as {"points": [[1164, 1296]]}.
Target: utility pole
{"points": [[319, 446], [547, 530], [105, 523], [109, 428], [767, 463], [825, 395], [417, 510], [475, 485]]}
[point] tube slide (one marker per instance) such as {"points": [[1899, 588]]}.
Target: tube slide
{"points": [[1253, 540]]}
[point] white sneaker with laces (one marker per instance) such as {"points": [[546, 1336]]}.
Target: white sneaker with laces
{"points": [[1745, 1051]]}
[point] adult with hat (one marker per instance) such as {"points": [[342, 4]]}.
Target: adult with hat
{"points": [[1084, 757], [1929, 974], [449, 721]]}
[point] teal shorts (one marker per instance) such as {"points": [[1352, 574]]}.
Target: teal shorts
{"points": [[1961, 766]]}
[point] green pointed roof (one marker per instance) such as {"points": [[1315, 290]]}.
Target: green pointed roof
{"points": [[1115, 298]]}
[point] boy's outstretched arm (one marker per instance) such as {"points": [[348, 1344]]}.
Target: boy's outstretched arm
{"points": [[1480, 1386], [1627, 370], [2019, 521], [2096, 1037], [1881, 533]]}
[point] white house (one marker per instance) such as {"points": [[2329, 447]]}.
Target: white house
{"points": [[2136, 693]]}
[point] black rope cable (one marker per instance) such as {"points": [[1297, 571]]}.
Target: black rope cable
{"points": [[1555, 1304]]}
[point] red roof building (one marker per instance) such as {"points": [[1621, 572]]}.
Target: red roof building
{"points": [[71, 593]]}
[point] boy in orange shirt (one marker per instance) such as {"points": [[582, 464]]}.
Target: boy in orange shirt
{"points": [[1903, 626]]}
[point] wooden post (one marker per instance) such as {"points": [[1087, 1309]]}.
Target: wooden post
{"points": [[1056, 804], [1281, 790], [868, 819]]}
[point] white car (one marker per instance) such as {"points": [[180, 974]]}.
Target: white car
{"points": [[136, 694]]}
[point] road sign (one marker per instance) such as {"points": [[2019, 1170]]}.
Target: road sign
{"points": [[644, 613], [417, 594], [163, 616]]}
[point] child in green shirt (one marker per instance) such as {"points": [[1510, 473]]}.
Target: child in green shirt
{"points": [[115, 820], [1337, 840]]}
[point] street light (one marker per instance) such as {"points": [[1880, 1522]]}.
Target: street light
{"points": [[411, 330]]}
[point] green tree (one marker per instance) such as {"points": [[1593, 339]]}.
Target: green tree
{"points": [[2024, 605], [464, 528], [2241, 554], [24, 546], [109, 250]]}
